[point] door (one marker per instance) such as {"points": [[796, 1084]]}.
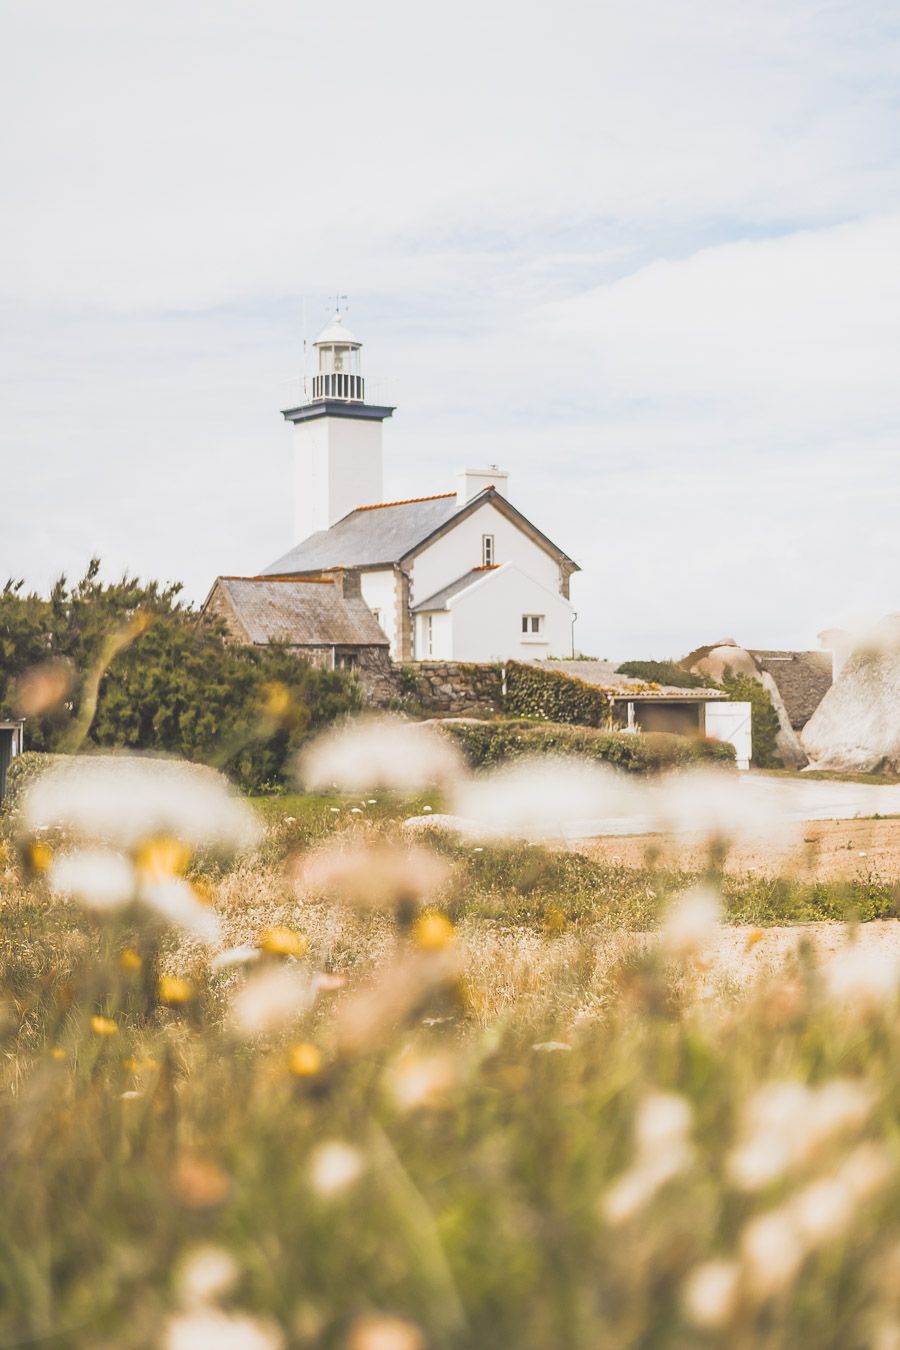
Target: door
{"points": [[731, 722]]}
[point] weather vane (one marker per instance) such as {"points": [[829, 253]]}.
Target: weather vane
{"points": [[337, 303]]}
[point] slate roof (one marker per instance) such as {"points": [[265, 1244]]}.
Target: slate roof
{"points": [[301, 613], [369, 536], [440, 598], [624, 688], [802, 678], [385, 533]]}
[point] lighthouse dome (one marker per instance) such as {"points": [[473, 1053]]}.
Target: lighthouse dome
{"points": [[337, 332]]}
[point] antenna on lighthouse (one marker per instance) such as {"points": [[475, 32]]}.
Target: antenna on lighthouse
{"points": [[305, 344]]}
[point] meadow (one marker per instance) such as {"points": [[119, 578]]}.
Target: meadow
{"points": [[277, 1073]]}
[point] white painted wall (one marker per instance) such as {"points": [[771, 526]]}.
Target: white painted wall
{"points": [[338, 464], [379, 592], [441, 645], [486, 619], [460, 549], [469, 482]]}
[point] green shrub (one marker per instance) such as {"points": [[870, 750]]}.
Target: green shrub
{"points": [[661, 672], [490, 743], [763, 717], [550, 696]]}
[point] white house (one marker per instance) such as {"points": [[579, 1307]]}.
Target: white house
{"points": [[461, 575]]}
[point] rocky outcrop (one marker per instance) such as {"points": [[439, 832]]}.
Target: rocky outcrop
{"points": [[856, 727], [716, 661]]}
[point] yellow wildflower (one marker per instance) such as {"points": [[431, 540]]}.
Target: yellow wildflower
{"points": [[283, 942], [278, 699], [39, 855], [162, 856], [130, 960], [174, 989], [140, 1064], [305, 1060], [755, 935], [103, 1026], [433, 931], [57, 1052]]}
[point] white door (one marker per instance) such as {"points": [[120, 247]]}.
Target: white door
{"points": [[731, 722]]}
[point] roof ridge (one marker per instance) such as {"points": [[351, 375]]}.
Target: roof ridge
{"points": [[281, 576], [404, 501]]}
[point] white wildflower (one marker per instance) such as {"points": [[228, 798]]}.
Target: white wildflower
{"points": [[270, 999], [376, 1331], [662, 1150], [207, 1273], [235, 956], [663, 1124], [710, 1293], [383, 752], [421, 1081], [786, 1122], [98, 878], [772, 1252], [334, 1167], [714, 803], [692, 922], [122, 800], [207, 1328], [176, 900], [866, 980], [538, 797]]}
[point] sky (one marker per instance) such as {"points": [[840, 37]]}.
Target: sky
{"points": [[644, 256]]}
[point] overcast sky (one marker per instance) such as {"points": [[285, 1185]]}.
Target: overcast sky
{"points": [[645, 256]]}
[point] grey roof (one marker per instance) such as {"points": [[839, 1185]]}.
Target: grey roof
{"points": [[440, 598], [802, 679], [301, 613], [368, 536], [623, 688]]}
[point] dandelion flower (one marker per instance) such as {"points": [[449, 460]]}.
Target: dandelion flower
{"points": [[103, 1026], [130, 960], [175, 990], [283, 942], [304, 1060], [432, 932]]}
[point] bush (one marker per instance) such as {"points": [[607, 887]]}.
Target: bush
{"points": [[661, 672], [763, 717], [490, 743], [550, 696], [132, 667]]}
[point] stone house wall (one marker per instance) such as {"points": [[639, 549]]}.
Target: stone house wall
{"points": [[452, 688]]}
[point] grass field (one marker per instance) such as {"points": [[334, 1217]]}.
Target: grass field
{"points": [[456, 1099]]}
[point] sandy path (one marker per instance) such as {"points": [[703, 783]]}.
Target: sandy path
{"points": [[819, 850]]}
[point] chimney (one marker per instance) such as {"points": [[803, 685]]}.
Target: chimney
{"points": [[840, 643], [469, 482], [347, 580]]}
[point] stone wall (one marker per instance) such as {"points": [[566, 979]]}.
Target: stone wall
{"points": [[452, 688]]}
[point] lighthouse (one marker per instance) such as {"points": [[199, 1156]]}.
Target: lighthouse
{"points": [[338, 453]]}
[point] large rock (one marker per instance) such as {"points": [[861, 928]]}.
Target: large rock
{"points": [[856, 727], [715, 662]]}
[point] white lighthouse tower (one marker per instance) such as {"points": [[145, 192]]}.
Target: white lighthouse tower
{"points": [[338, 457]]}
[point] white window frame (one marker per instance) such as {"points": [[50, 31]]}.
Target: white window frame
{"points": [[487, 550], [429, 635], [533, 625]]}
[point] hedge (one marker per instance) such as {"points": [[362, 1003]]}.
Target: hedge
{"points": [[550, 696], [489, 743]]}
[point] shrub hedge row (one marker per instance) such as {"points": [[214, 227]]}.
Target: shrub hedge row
{"points": [[550, 696], [489, 743]]}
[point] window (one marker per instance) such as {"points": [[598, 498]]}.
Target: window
{"points": [[376, 615], [487, 550], [532, 624], [429, 635], [346, 661]]}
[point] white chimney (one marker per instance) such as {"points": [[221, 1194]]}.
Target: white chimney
{"points": [[469, 482], [840, 643]]}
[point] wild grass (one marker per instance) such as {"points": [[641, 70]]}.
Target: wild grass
{"points": [[438, 1151]]}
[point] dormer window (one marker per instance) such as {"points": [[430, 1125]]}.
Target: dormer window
{"points": [[487, 550]]}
